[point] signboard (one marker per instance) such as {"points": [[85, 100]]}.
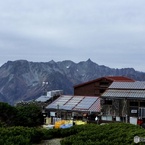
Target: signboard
{"points": [[52, 114], [133, 111], [133, 120]]}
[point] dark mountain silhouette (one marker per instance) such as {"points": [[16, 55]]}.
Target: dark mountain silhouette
{"points": [[23, 80]]}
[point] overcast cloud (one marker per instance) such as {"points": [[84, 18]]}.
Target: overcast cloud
{"points": [[109, 32]]}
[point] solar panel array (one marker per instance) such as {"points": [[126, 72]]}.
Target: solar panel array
{"points": [[75, 103]]}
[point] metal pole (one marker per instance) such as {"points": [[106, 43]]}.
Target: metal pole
{"points": [[57, 110]]}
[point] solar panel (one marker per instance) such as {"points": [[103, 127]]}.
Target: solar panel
{"points": [[60, 101], [67, 107], [86, 103], [43, 98], [72, 102]]}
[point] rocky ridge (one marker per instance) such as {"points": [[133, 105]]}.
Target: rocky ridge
{"points": [[23, 80]]}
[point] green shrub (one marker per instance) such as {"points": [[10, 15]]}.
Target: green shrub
{"points": [[20, 135], [113, 133], [89, 134]]}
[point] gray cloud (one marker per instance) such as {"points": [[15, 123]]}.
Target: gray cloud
{"points": [[109, 32]]}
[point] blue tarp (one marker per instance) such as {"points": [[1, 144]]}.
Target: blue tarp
{"points": [[66, 126]]}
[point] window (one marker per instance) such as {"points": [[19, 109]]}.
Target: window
{"points": [[107, 102], [133, 103], [102, 91], [142, 104], [104, 83], [142, 112]]}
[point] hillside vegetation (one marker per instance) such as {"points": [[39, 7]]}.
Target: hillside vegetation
{"points": [[90, 134], [109, 134]]}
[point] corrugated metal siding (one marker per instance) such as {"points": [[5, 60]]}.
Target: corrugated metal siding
{"points": [[137, 93], [124, 93], [96, 106], [128, 85]]}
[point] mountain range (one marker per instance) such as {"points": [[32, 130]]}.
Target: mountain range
{"points": [[25, 80]]}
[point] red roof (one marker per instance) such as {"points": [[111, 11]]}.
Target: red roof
{"points": [[120, 79], [111, 78]]}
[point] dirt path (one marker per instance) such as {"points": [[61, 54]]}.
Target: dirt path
{"points": [[55, 141]]}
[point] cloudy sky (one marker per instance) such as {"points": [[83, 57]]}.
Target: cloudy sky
{"points": [[109, 32]]}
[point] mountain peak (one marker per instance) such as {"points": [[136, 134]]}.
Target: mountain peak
{"points": [[89, 60], [52, 61], [21, 79]]}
